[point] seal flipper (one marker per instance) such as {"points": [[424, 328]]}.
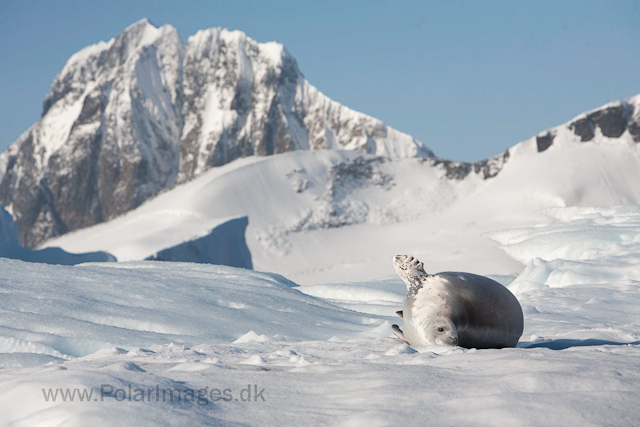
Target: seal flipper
{"points": [[398, 332], [410, 270], [399, 313]]}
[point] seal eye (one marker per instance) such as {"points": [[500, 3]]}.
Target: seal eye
{"points": [[441, 329]]}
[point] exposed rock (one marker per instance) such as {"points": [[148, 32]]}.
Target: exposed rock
{"points": [[131, 117], [453, 170], [611, 120], [488, 168], [544, 142], [491, 167], [583, 128]]}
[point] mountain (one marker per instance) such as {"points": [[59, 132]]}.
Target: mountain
{"points": [[128, 118], [337, 216]]}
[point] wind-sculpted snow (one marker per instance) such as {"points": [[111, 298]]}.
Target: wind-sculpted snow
{"points": [[135, 334], [335, 216], [580, 234], [98, 306], [589, 263], [10, 248], [224, 245]]}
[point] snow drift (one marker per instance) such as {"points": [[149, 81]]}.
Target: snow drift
{"points": [[224, 245], [10, 248], [336, 216], [191, 327]]}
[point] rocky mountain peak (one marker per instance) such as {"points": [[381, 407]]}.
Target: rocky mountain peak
{"points": [[135, 115]]}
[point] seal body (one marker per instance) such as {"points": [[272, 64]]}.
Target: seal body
{"points": [[454, 308]]}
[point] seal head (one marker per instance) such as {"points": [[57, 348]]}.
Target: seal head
{"points": [[441, 331]]}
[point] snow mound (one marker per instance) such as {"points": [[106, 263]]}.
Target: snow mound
{"points": [[224, 245], [10, 248], [126, 335], [96, 306], [580, 234], [584, 268]]}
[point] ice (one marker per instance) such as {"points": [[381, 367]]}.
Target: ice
{"points": [[326, 355], [338, 216], [156, 303], [10, 248], [586, 264]]}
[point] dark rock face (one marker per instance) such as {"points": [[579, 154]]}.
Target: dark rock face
{"points": [[265, 107], [134, 116], [108, 139], [491, 167], [453, 170], [544, 142], [634, 129], [583, 128], [612, 121], [487, 169]]}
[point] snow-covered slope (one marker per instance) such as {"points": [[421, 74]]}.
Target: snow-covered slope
{"points": [[294, 202], [116, 331], [223, 245], [339, 216], [10, 248], [130, 117]]}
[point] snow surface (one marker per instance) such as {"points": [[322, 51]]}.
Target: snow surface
{"points": [[10, 248], [329, 358], [336, 216]]}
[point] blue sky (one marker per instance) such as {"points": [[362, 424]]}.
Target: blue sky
{"points": [[468, 79]]}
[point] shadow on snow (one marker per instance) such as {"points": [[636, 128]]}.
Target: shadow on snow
{"points": [[563, 344]]}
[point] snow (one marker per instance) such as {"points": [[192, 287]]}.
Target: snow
{"points": [[86, 75], [339, 216], [56, 125], [10, 248], [86, 54], [224, 245], [273, 51], [217, 115], [323, 354]]}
